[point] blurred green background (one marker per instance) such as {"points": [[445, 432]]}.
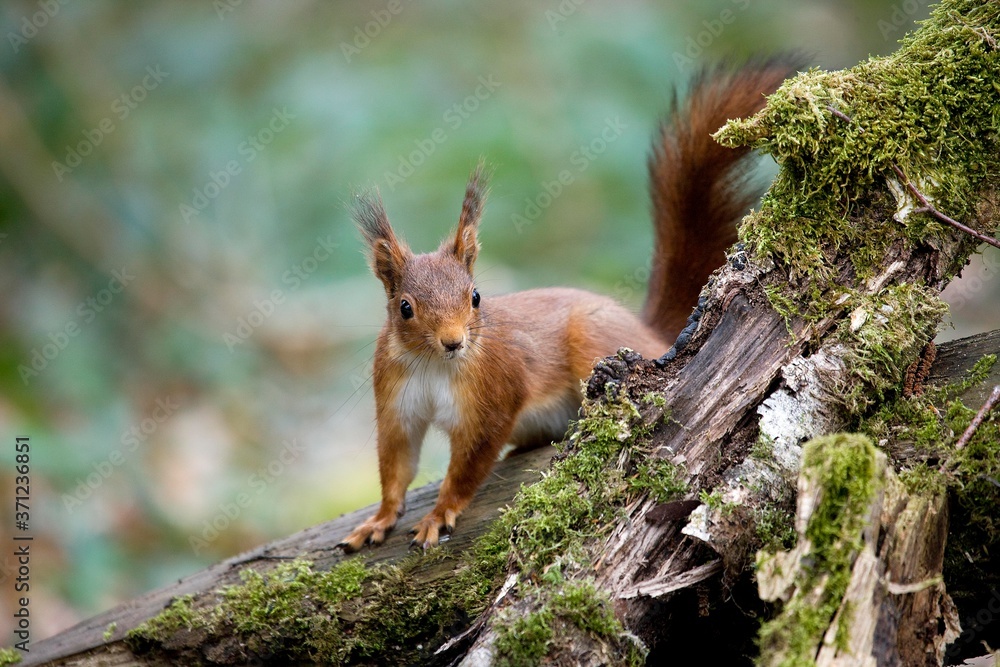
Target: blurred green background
{"points": [[187, 320]]}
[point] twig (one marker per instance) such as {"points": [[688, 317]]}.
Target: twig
{"points": [[978, 419], [839, 114], [929, 208]]}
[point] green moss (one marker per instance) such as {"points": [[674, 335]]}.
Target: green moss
{"points": [[783, 303], [357, 613], [763, 448], [524, 640], [919, 433], [931, 109], [179, 615], [923, 480], [662, 480], [655, 398], [980, 371], [774, 517], [9, 656], [297, 613], [588, 608], [399, 616], [774, 525], [292, 608], [926, 428], [884, 335], [842, 638], [110, 631], [844, 467], [288, 611], [712, 499], [580, 497]]}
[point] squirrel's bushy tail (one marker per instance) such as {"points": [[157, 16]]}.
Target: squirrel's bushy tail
{"points": [[700, 189]]}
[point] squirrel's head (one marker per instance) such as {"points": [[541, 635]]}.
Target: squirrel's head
{"points": [[433, 304]]}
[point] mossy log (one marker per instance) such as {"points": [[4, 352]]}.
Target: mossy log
{"points": [[640, 540], [317, 544], [908, 571]]}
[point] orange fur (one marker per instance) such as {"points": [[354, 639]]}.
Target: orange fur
{"points": [[509, 368]]}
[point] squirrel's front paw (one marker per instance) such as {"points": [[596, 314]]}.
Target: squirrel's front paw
{"points": [[428, 530], [371, 532]]}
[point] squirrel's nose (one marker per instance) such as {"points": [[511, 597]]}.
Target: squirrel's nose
{"points": [[451, 345]]}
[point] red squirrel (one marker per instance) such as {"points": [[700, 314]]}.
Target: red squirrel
{"points": [[491, 370]]}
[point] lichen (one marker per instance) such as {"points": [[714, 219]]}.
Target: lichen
{"points": [[843, 467]]}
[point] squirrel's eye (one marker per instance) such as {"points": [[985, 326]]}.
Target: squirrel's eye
{"points": [[405, 309], [475, 298]]}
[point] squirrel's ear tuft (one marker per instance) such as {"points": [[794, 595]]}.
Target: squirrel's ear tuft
{"points": [[387, 254], [466, 244]]}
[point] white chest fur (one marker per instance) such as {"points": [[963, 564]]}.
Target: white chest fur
{"points": [[428, 395]]}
